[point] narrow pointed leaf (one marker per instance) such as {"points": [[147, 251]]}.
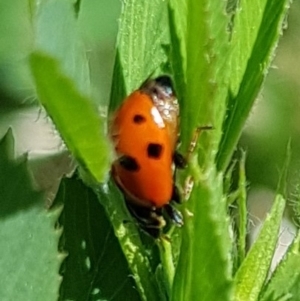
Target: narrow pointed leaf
{"points": [[202, 40], [140, 54], [252, 274], [73, 114], [205, 246], [139, 257], [250, 60], [285, 280], [242, 207], [199, 32]]}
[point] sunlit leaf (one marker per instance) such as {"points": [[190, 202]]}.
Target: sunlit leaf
{"points": [[253, 272], [74, 115]]}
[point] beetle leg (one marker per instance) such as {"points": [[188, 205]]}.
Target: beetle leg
{"points": [[179, 160], [174, 214], [195, 138], [189, 181], [151, 220], [176, 196]]}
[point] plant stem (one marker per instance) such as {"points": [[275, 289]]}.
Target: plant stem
{"points": [[165, 250]]}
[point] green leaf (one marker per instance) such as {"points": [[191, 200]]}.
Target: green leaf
{"points": [[282, 184], [204, 265], [95, 259], [118, 90], [17, 193], [29, 261], [246, 25], [199, 31], [140, 253], [253, 43], [73, 114], [177, 24], [142, 32], [252, 274], [285, 280], [242, 207]]}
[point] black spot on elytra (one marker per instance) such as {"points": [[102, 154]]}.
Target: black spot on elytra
{"points": [[139, 119], [129, 163], [154, 150]]}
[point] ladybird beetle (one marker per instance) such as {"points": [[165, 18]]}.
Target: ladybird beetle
{"points": [[145, 131]]}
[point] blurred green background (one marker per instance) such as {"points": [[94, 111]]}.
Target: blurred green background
{"points": [[275, 118]]}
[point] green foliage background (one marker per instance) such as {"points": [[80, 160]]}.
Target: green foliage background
{"points": [[74, 251]]}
